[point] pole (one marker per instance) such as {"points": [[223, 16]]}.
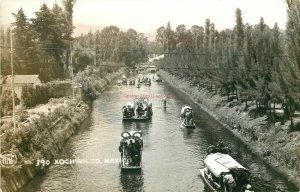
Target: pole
{"points": [[12, 78], [72, 73], [95, 60]]}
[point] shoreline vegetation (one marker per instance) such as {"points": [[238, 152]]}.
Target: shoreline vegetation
{"points": [[47, 128], [273, 142]]}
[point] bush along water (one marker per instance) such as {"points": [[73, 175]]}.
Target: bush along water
{"points": [[40, 139]]}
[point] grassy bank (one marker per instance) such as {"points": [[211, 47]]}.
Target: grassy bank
{"points": [[272, 141], [40, 139]]}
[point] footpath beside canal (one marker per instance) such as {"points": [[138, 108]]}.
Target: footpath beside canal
{"points": [[39, 140], [273, 142]]}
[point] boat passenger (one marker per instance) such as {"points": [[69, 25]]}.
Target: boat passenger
{"points": [[136, 153], [130, 148], [248, 188], [127, 111], [123, 145], [229, 182], [145, 113], [139, 110]]}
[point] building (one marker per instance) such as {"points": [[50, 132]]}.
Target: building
{"points": [[19, 82], [156, 59]]}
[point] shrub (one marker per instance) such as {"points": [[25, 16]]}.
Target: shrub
{"points": [[7, 103]]}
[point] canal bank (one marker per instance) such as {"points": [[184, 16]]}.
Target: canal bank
{"points": [[40, 140], [273, 143]]}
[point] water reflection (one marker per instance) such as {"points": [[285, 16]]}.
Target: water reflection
{"points": [[132, 180]]}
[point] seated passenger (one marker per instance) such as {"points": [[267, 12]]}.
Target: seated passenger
{"points": [[145, 113], [126, 111], [139, 110], [248, 188]]}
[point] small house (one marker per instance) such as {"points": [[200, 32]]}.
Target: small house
{"points": [[19, 82]]}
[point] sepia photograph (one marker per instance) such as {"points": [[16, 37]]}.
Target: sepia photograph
{"points": [[150, 95]]}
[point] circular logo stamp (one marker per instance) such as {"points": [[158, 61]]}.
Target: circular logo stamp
{"points": [[8, 159]]}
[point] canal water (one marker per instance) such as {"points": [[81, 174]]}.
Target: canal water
{"points": [[171, 155]]}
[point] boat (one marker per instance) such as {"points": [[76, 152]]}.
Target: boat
{"points": [[131, 147], [158, 79], [138, 110], [221, 172], [187, 117], [147, 81], [124, 80], [132, 81]]}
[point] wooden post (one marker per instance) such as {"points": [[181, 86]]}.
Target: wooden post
{"points": [[72, 72]]}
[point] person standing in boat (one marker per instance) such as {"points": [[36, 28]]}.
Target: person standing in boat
{"points": [[229, 183], [123, 147], [131, 149], [136, 152], [165, 102]]}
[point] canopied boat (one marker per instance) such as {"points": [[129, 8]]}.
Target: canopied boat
{"points": [[124, 80], [147, 81], [131, 147], [139, 109], [222, 173], [131, 81], [187, 117]]}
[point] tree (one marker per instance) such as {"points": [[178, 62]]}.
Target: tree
{"points": [[7, 104]]}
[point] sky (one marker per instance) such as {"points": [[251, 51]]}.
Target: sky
{"points": [[147, 15]]}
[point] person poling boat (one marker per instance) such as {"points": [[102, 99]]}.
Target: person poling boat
{"points": [[187, 117], [131, 147], [164, 102], [224, 174]]}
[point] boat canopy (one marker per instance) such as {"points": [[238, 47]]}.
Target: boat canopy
{"points": [[184, 108], [128, 136], [131, 104], [219, 163]]}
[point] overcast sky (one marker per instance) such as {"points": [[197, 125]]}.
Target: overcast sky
{"points": [[148, 15]]}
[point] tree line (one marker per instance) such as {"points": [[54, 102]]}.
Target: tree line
{"points": [[40, 44], [110, 45], [257, 62], [44, 45]]}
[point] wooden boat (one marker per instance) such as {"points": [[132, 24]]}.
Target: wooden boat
{"points": [[132, 81], [221, 172], [187, 117], [192, 125], [124, 80], [138, 110], [158, 79], [131, 147]]}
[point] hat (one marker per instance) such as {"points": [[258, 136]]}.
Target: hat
{"points": [[248, 186]]}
